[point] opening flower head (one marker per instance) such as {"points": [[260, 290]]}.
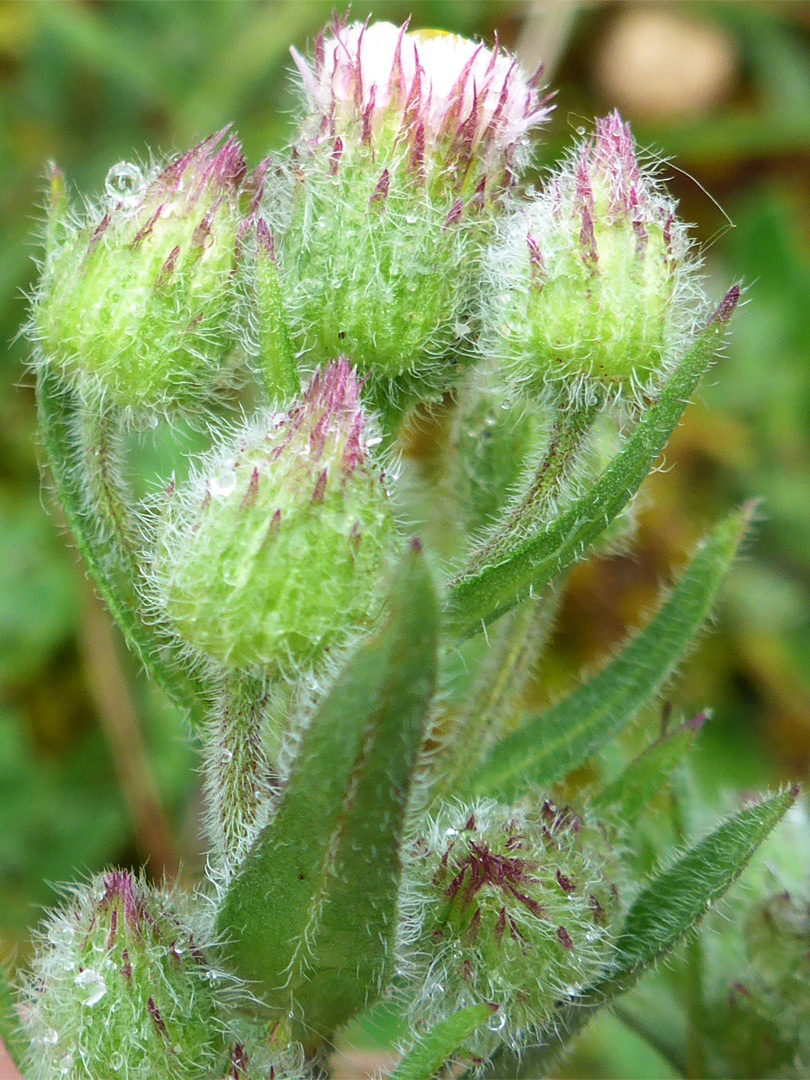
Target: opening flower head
{"points": [[453, 103]]}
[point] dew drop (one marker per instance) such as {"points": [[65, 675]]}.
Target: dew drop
{"points": [[498, 1021], [411, 218], [91, 985], [222, 483], [125, 183], [61, 935], [51, 1037]]}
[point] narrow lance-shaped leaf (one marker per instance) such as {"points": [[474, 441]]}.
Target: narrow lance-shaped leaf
{"points": [[547, 748], [58, 414], [436, 1048], [680, 895], [311, 917], [11, 1030], [627, 797], [489, 589], [667, 911]]}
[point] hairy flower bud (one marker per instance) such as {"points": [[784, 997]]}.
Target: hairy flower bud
{"points": [[509, 907], [410, 141], [591, 284], [137, 304], [120, 988], [275, 551]]}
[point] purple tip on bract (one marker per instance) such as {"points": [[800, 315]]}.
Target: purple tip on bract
{"points": [[696, 723], [727, 306]]}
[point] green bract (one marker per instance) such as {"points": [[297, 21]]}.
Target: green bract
{"points": [[275, 551], [138, 305]]}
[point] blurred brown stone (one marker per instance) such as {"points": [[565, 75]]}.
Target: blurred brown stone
{"points": [[656, 63]]}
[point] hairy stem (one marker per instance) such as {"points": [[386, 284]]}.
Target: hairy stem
{"points": [[571, 428], [495, 699], [59, 414], [100, 445], [239, 778]]}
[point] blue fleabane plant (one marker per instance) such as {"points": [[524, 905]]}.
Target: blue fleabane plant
{"points": [[351, 637]]}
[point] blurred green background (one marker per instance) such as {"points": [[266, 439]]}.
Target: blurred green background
{"points": [[94, 766]]}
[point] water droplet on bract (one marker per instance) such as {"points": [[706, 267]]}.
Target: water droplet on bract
{"points": [[222, 483], [124, 183], [451, 832], [91, 986], [61, 935], [411, 218], [498, 1021], [51, 1037]]}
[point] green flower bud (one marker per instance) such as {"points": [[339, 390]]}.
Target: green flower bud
{"points": [[591, 287], [137, 304], [410, 141], [509, 907], [275, 551], [120, 988]]}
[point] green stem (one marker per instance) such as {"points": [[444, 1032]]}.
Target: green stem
{"points": [[11, 1029], [100, 439], [239, 778], [59, 421], [571, 428], [496, 695]]}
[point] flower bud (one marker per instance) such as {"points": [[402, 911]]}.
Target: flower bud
{"points": [[591, 286], [276, 550], [513, 908], [120, 988], [410, 141], [137, 305]]}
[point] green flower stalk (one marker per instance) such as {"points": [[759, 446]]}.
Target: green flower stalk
{"points": [[120, 987], [410, 142], [592, 289], [138, 304], [274, 553], [506, 906]]}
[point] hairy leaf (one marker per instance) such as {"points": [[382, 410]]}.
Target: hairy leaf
{"points": [[486, 591], [679, 896], [312, 914], [547, 748], [434, 1050]]}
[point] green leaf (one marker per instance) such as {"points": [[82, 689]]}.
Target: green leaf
{"points": [[481, 594], [425, 1060], [11, 1030], [627, 797], [311, 917], [59, 411], [679, 896], [548, 747]]}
